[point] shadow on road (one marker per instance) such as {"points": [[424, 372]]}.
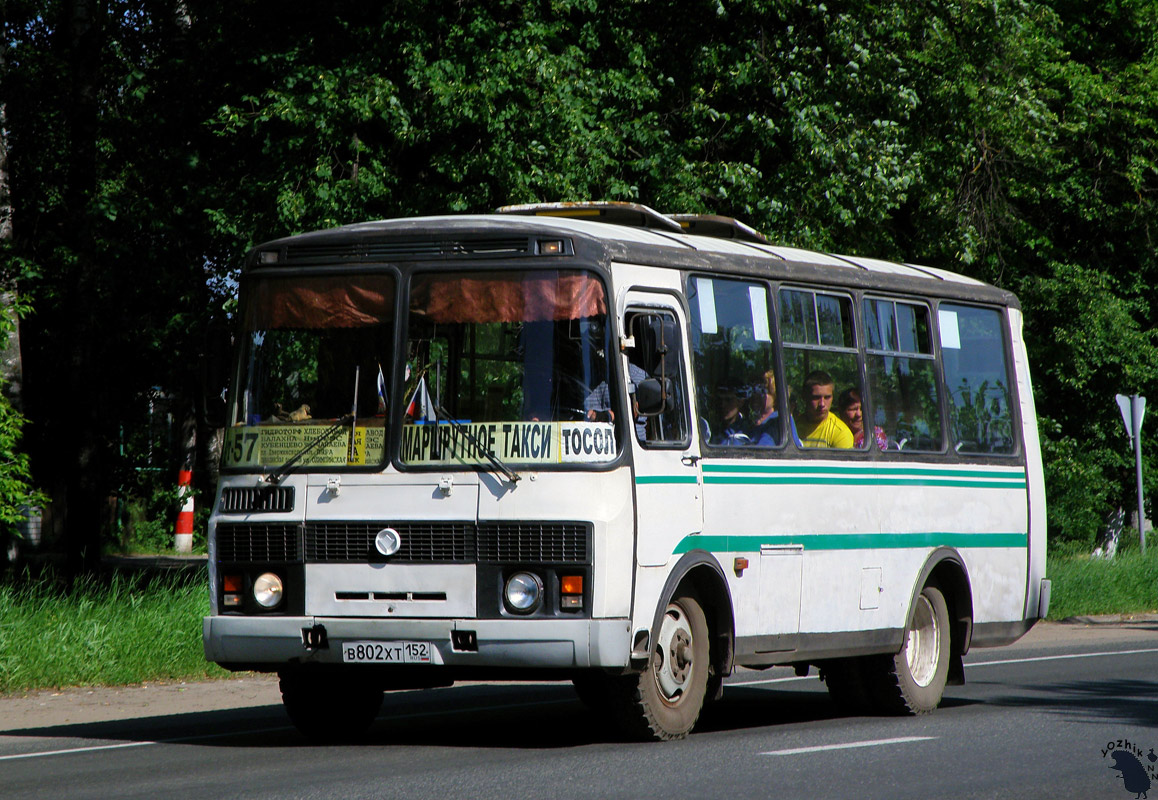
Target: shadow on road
{"points": [[479, 716], [1129, 702]]}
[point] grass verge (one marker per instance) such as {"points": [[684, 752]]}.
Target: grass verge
{"points": [[114, 631], [1084, 586]]}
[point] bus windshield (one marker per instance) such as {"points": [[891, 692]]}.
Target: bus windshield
{"points": [[315, 351], [514, 364]]}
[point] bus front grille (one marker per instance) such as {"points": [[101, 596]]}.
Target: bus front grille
{"points": [[452, 542], [541, 542], [258, 542], [438, 542], [422, 542]]}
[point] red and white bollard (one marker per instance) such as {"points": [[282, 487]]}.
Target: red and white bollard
{"points": [[183, 539]]}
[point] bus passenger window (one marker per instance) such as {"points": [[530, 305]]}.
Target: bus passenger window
{"points": [[733, 357], [820, 365], [902, 376], [977, 379]]}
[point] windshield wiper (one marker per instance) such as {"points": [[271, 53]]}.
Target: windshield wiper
{"points": [[441, 415], [274, 477]]}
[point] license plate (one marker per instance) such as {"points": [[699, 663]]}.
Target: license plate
{"points": [[386, 652]]}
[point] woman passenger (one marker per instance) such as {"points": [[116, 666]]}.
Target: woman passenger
{"points": [[852, 412]]}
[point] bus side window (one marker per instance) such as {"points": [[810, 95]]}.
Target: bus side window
{"points": [[734, 361], [977, 379], [821, 365], [902, 376]]}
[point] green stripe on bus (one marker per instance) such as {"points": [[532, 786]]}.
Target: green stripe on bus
{"points": [[825, 474], [831, 469], [867, 480], [852, 541], [665, 479]]}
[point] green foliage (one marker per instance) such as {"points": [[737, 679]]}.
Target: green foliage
{"points": [[1125, 584], [119, 631], [1016, 141], [16, 488]]}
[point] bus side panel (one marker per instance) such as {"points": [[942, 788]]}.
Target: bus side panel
{"points": [[864, 531], [1034, 476]]}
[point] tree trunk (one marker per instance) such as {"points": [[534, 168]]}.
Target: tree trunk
{"points": [[63, 382]]}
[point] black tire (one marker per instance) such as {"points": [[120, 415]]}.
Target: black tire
{"points": [[913, 681], [595, 692], [326, 710], [849, 685], [664, 701]]}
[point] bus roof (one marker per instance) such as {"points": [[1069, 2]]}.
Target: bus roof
{"points": [[625, 232]]}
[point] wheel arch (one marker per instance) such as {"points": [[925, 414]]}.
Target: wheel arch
{"points": [[945, 569], [701, 572]]}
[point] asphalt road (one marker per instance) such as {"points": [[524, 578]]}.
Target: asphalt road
{"points": [[1033, 720]]}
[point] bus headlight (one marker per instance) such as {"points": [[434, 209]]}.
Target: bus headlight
{"points": [[523, 592], [267, 590]]}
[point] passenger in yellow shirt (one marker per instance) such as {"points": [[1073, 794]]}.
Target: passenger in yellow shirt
{"points": [[819, 427]]}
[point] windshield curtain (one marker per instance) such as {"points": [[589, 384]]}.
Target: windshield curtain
{"points": [[314, 350], [320, 302], [519, 358], [508, 297]]}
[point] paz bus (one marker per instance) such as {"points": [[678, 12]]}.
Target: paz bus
{"points": [[596, 443]]}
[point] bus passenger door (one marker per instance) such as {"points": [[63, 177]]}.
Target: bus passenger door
{"points": [[668, 480]]}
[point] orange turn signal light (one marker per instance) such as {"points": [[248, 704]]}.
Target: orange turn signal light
{"points": [[231, 583], [571, 584]]}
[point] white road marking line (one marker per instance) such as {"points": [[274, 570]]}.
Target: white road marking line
{"points": [[76, 750], [184, 739], [1062, 657], [99, 747], [773, 680], [973, 664], [847, 745]]}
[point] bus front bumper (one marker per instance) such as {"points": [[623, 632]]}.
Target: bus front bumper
{"points": [[268, 642]]}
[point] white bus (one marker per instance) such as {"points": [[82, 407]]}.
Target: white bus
{"points": [[591, 442]]}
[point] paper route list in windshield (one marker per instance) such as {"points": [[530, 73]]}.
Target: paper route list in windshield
{"points": [[518, 442], [426, 443]]}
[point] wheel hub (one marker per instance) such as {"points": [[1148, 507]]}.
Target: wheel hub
{"points": [[673, 663], [923, 646]]}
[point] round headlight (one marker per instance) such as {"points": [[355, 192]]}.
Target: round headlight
{"points": [[267, 590], [524, 592]]}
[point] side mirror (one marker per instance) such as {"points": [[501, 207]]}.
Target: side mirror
{"points": [[654, 397]]}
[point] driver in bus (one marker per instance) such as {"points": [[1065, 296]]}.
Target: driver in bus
{"points": [[818, 426], [598, 403]]}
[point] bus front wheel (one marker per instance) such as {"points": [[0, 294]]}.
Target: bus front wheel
{"points": [[664, 701], [328, 710]]}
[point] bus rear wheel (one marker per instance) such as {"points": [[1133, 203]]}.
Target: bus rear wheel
{"points": [[327, 710], [913, 681], [664, 701], [849, 683]]}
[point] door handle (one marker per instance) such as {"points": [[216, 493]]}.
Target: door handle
{"points": [[690, 461]]}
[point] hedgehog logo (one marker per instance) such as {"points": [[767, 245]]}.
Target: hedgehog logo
{"points": [[1137, 775]]}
